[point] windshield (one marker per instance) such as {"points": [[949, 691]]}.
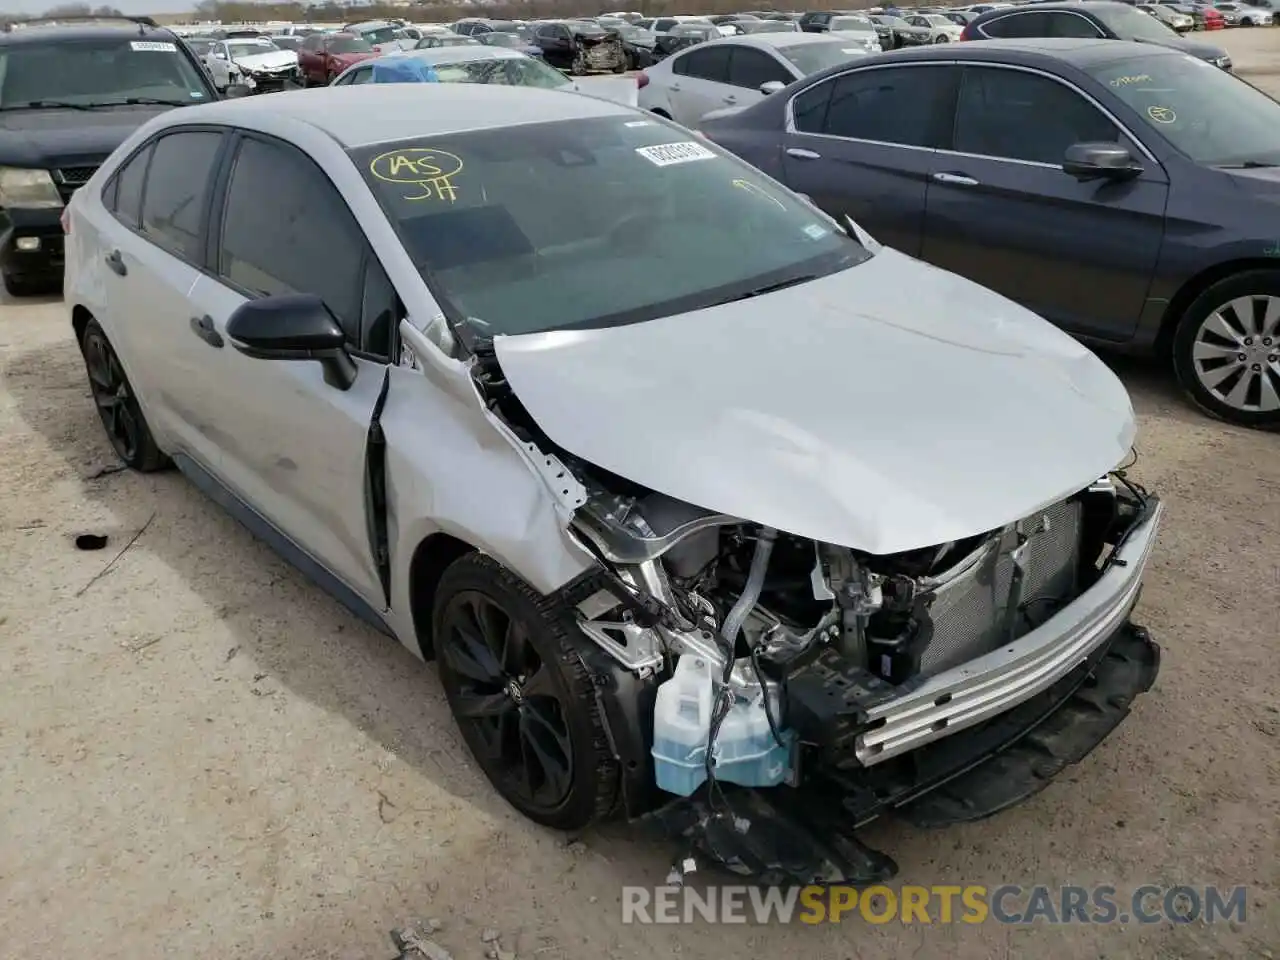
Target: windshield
{"points": [[1207, 114], [379, 34], [1130, 24], [200, 48], [851, 24], [98, 72], [247, 48], [511, 72], [349, 45], [811, 57], [673, 224]]}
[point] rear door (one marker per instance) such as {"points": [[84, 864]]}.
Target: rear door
{"points": [[861, 144], [157, 267], [1002, 212], [288, 443], [700, 82]]}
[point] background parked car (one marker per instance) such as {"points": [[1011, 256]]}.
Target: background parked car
{"points": [[70, 93], [895, 32], [682, 36], [1161, 206], [325, 55], [433, 41], [736, 71], [381, 35], [748, 27], [1243, 15], [858, 29], [936, 28], [1096, 19], [638, 46], [256, 62], [579, 46], [1171, 18]]}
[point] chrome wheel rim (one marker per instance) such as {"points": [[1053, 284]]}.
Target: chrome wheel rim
{"points": [[1236, 354]]}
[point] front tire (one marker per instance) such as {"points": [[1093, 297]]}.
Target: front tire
{"points": [[117, 405], [942, 38], [1226, 349], [511, 669]]}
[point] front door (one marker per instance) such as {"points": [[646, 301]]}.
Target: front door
{"points": [[1001, 211], [862, 145], [291, 444]]}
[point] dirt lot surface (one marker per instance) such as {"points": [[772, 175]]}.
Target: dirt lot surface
{"points": [[204, 756]]}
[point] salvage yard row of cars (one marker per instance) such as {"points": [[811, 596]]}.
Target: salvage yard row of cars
{"points": [[830, 521]]}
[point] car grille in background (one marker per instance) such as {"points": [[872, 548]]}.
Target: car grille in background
{"points": [[969, 615], [70, 179]]}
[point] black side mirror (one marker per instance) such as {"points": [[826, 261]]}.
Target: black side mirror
{"points": [[293, 326], [771, 86], [237, 90], [1094, 161]]}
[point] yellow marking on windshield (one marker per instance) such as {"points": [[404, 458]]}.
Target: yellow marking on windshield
{"points": [[430, 170], [1127, 81], [1162, 114]]}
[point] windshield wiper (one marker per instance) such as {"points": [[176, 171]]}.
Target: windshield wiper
{"points": [[46, 104], [140, 101], [767, 288], [1247, 165]]}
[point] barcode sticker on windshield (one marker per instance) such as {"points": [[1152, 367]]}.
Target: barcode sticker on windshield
{"points": [[669, 154], [153, 46]]}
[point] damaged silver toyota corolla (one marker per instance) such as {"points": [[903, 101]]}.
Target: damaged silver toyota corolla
{"points": [[712, 511]]}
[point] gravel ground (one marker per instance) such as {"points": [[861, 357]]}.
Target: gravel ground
{"points": [[205, 756]]}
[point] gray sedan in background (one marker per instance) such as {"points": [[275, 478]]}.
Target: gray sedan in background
{"points": [[1127, 192]]}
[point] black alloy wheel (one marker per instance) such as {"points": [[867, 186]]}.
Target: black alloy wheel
{"points": [[521, 695], [118, 408]]}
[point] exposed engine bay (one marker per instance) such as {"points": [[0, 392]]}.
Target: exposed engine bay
{"points": [[771, 648]]}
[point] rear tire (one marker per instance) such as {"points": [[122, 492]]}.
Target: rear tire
{"points": [[524, 700], [1226, 349], [942, 38]]}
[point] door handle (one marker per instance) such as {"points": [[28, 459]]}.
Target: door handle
{"points": [[730, 99], [116, 263], [956, 179], [675, 86], [203, 328], [801, 154]]}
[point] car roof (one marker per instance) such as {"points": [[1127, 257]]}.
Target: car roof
{"points": [[83, 30], [1076, 51], [1067, 7], [360, 114]]}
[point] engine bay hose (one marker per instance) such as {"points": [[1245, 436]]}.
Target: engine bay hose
{"points": [[751, 592]]}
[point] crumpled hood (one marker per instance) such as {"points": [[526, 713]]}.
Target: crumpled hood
{"points": [[887, 407], [270, 60], [53, 138]]}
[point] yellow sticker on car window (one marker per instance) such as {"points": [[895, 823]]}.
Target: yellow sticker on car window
{"points": [[1161, 114], [430, 170], [1129, 81]]}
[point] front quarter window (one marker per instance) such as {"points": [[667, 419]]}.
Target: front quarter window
{"points": [[661, 205], [1205, 113]]}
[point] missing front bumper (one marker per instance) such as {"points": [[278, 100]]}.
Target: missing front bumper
{"points": [[805, 836]]}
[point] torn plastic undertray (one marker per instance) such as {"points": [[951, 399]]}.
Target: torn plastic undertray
{"points": [[784, 835]]}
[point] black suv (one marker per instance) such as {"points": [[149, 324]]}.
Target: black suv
{"points": [[71, 91]]}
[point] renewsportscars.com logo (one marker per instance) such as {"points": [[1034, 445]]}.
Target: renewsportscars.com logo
{"points": [[939, 904]]}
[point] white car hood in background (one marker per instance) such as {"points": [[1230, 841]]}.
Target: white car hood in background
{"points": [[618, 89], [268, 60], [886, 407]]}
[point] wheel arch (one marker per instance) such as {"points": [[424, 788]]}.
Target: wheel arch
{"points": [[80, 317], [431, 557], [1197, 285]]}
